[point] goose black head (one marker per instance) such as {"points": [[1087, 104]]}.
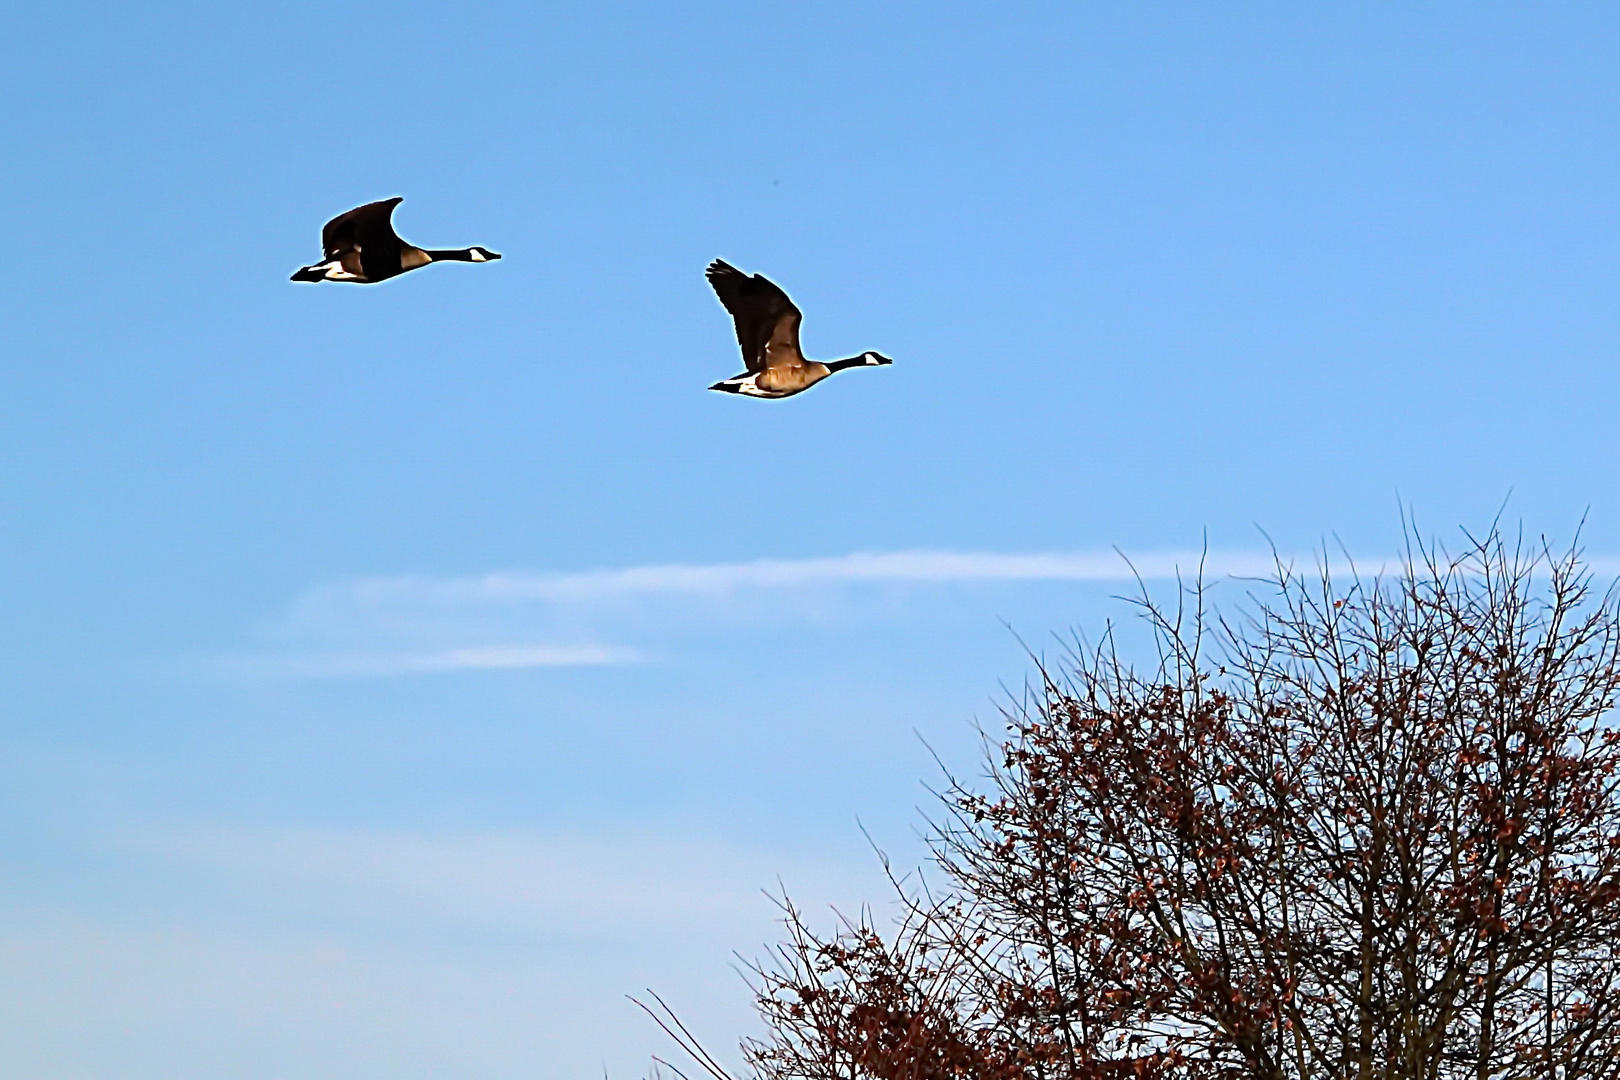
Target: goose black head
{"points": [[482, 254], [310, 273], [872, 358]]}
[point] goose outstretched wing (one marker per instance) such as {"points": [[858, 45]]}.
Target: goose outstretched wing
{"points": [[369, 230], [767, 321]]}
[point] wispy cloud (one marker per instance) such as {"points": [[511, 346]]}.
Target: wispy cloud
{"points": [[415, 624], [714, 579], [533, 882], [488, 658], [331, 952]]}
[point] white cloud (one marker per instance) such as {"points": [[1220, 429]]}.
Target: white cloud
{"points": [[328, 953], [413, 624], [508, 620], [487, 658], [559, 885], [922, 567], [511, 881]]}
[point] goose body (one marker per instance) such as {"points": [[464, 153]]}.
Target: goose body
{"points": [[361, 246], [768, 333]]}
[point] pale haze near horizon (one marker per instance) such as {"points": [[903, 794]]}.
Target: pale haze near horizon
{"points": [[396, 677]]}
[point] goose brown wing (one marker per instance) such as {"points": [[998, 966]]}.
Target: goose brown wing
{"points": [[370, 230], [366, 227], [767, 321], [782, 349]]}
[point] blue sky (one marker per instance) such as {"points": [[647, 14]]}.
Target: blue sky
{"points": [[395, 677]]}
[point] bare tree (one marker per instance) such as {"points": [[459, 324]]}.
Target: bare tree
{"points": [[1369, 830]]}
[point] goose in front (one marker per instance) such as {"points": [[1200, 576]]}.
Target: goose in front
{"points": [[361, 246], [768, 331]]}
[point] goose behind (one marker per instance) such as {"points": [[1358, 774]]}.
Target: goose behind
{"points": [[767, 325], [362, 247]]}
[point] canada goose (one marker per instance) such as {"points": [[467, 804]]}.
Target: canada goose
{"points": [[768, 331], [362, 246]]}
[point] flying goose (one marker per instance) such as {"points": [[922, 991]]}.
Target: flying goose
{"points": [[768, 331], [362, 246]]}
